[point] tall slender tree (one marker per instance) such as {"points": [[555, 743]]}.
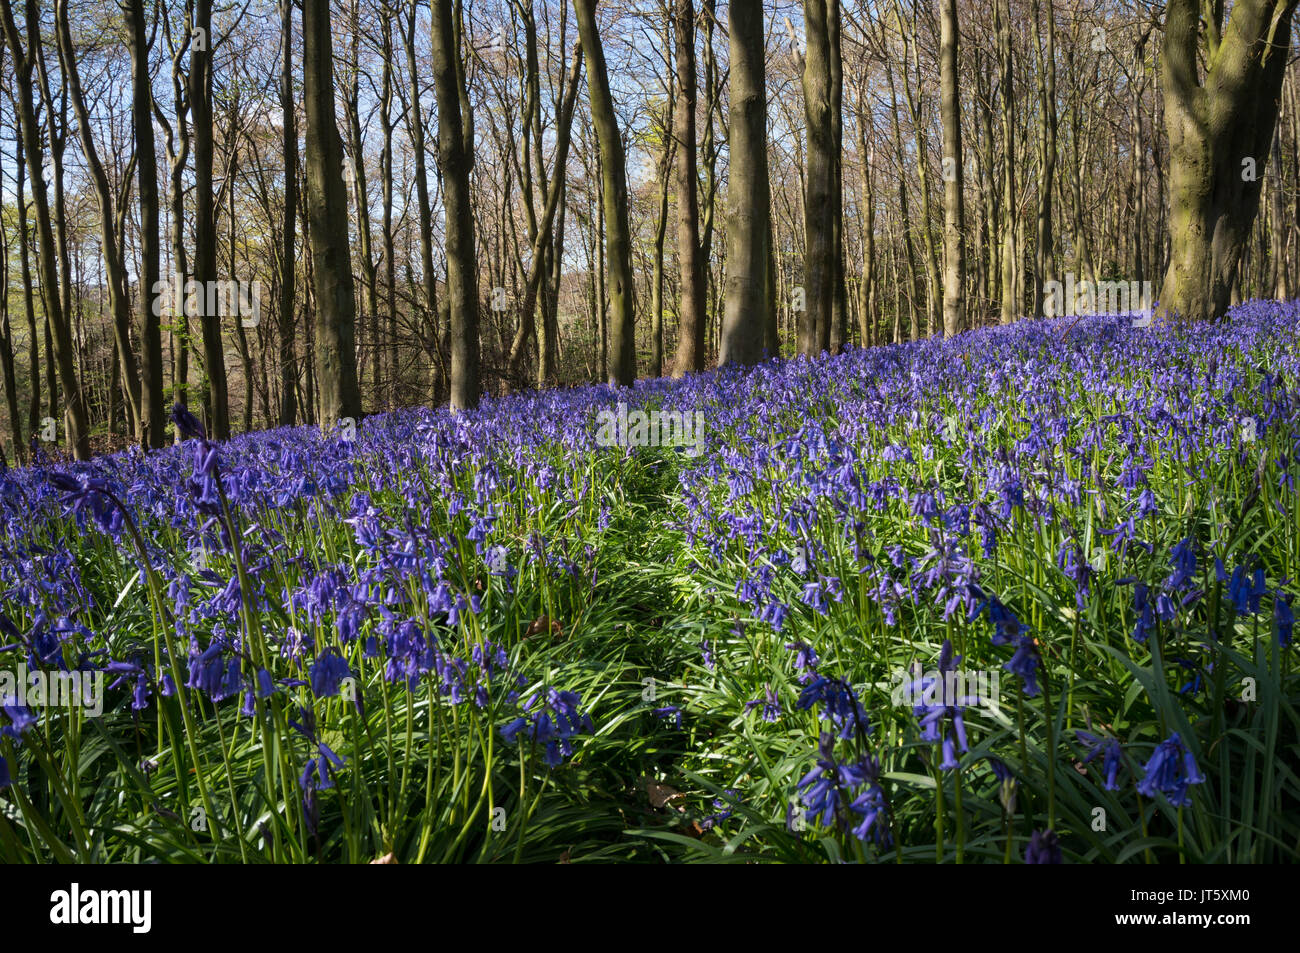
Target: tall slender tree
{"points": [[749, 321], [819, 202], [288, 409], [690, 339], [456, 153], [618, 233], [205, 216], [75, 418], [153, 413], [338, 395], [954, 217]]}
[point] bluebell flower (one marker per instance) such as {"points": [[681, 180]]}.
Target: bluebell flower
{"points": [[840, 705], [833, 792], [1026, 663], [670, 713], [1111, 754], [327, 674], [1044, 848], [1170, 770], [771, 705], [1283, 618], [1146, 621], [551, 718], [805, 660], [189, 426], [21, 719]]}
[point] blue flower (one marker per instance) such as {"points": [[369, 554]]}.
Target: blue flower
{"points": [[21, 720], [832, 787], [1044, 848], [1146, 613], [805, 660], [327, 674], [771, 705], [1111, 752], [1026, 663], [1170, 771], [839, 703], [551, 718], [189, 426], [670, 713], [1283, 618]]}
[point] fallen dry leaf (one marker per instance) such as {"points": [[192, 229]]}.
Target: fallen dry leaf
{"points": [[386, 859], [661, 794], [542, 624]]}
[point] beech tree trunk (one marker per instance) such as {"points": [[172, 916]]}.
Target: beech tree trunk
{"points": [[954, 214], [749, 328], [690, 339], [57, 324], [618, 236], [338, 395], [1220, 130], [152, 417], [455, 147]]}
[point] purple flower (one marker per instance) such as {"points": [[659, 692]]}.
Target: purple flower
{"points": [[840, 705], [1044, 848], [1170, 770], [1110, 751], [327, 674], [1026, 663]]}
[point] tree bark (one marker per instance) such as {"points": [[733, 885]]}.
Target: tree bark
{"points": [[819, 202], [119, 298], [288, 409], [152, 417], [690, 338], [954, 214], [749, 327], [78, 431], [338, 395], [621, 283], [455, 148], [1217, 130]]}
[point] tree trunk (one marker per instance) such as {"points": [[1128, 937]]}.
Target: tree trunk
{"points": [[621, 283], [954, 215], [1010, 255], [338, 395], [690, 338], [749, 323], [455, 148], [661, 229], [537, 263], [119, 299], [78, 432], [152, 416], [415, 126], [288, 266], [1219, 138], [819, 204], [205, 217]]}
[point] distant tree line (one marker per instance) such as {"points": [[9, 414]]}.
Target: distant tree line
{"points": [[434, 201]]}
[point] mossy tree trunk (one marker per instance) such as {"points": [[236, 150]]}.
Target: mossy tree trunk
{"points": [[1220, 127]]}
